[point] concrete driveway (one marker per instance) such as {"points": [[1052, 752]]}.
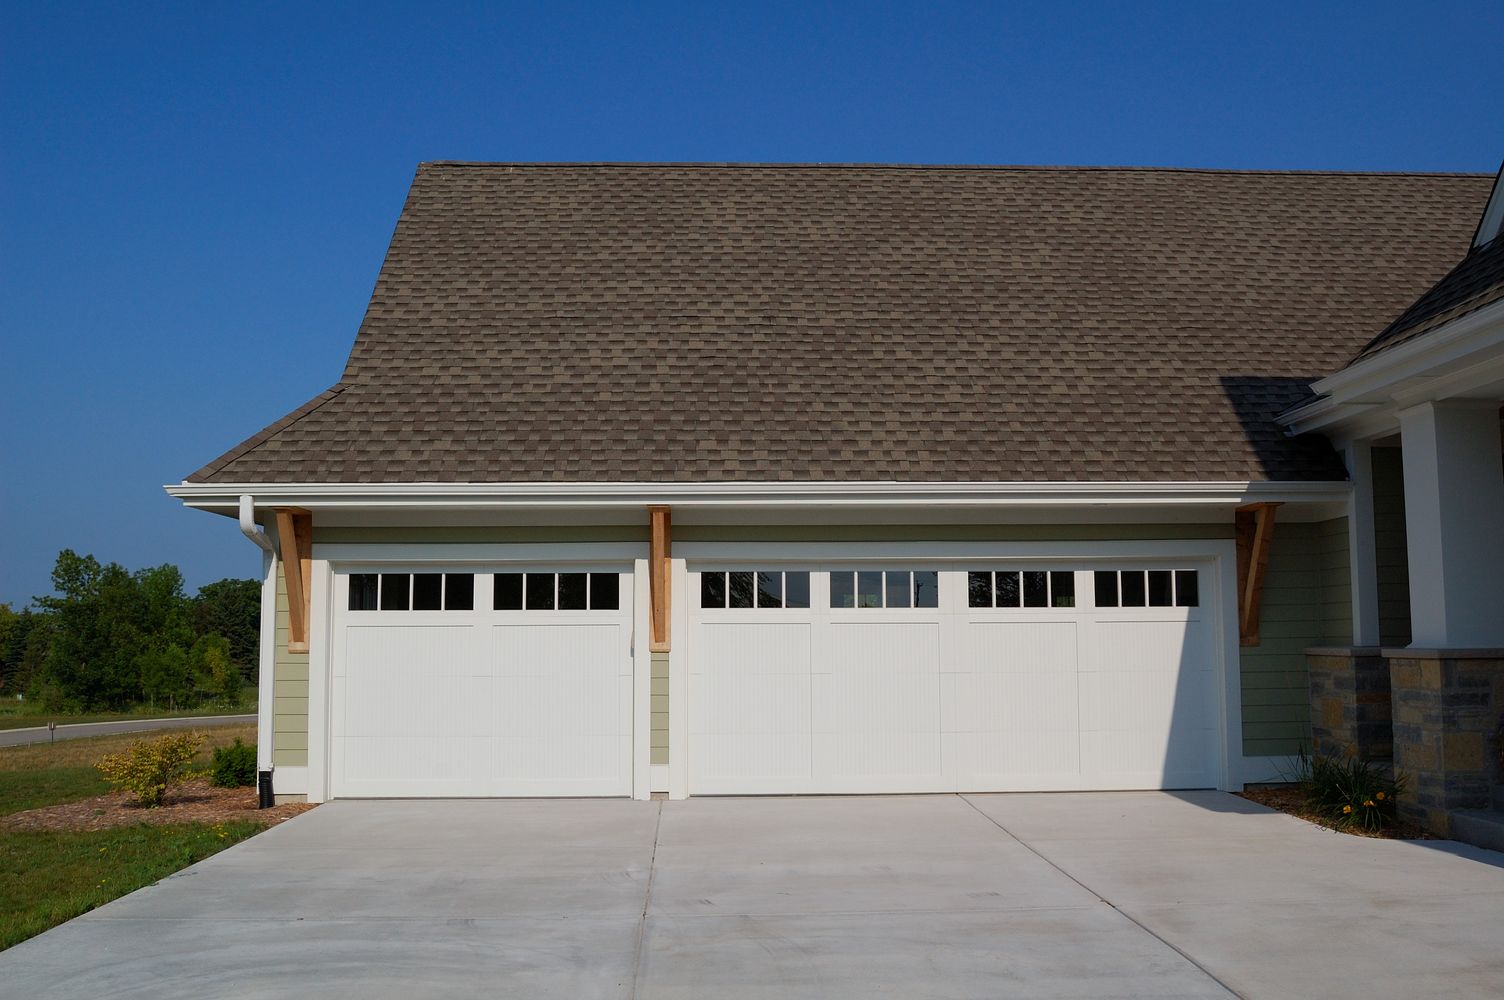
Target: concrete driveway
{"points": [[1090, 895]]}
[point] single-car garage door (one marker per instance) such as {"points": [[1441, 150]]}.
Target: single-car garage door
{"points": [[459, 683], [919, 679]]}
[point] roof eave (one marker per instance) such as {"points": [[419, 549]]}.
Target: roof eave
{"points": [[1441, 363], [224, 498]]}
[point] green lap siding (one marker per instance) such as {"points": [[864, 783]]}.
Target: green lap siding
{"points": [[658, 753], [1307, 602], [289, 693]]}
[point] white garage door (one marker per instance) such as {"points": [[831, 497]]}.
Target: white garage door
{"points": [[916, 679], [482, 684]]}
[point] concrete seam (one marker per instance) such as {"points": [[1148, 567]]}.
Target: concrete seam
{"points": [[1130, 917], [647, 899]]}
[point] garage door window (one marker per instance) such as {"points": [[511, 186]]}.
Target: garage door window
{"points": [[556, 592], [892, 588], [412, 591], [754, 589], [1153, 588], [1029, 588]]}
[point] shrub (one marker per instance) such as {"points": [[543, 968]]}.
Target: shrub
{"points": [[148, 768], [1347, 792], [234, 765]]}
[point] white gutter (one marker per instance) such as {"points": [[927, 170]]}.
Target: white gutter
{"points": [[335, 496]]}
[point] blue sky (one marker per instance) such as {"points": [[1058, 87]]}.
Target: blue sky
{"points": [[195, 198]]}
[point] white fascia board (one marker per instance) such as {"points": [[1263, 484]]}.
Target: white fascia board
{"points": [[458, 496], [1446, 359]]}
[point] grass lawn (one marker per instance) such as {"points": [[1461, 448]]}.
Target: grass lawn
{"points": [[47, 878], [14, 715]]}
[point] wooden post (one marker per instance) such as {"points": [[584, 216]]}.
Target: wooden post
{"points": [[1254, 534], [295, 550], [660, 519]]}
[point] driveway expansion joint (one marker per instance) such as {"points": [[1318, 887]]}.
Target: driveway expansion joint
{"points": [[1126, 915], [647, 901]]}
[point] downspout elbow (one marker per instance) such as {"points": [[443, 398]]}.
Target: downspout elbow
{"points": [[248, 523]]}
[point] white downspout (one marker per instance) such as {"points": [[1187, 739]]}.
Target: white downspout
{"points": [[248, 525], [268, 656]]}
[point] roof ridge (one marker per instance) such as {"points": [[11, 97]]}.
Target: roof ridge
{"points": [[959, 167]]}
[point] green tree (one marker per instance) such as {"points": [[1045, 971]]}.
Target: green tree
{"points": [[217, 676], [104, 619], [232, 608], [166, 676]]}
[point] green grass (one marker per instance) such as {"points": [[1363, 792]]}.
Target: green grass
{"points": [[14, 715], [47, 878], [32, 789]]}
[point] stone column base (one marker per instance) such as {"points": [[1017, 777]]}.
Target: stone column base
{"points": [[1350, 702], [1447, 709]]}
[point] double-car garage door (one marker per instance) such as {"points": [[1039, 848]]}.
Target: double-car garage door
{"points": [[799, 679]]}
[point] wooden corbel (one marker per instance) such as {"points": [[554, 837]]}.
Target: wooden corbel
{"points": [[660, 520], [1254, 533], [295, 544]]}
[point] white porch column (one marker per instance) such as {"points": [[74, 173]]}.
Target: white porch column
{"points": [[1362, 564], [1454, 520]]}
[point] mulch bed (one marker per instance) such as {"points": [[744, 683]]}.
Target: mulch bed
{"points": [[194, 801], [1290, 799]]}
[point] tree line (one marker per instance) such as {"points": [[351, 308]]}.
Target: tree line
{"points": [[110, 639]]}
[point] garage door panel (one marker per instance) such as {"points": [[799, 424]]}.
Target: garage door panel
{"points": [[1019, 646], [755, 680], [531, 704], [750, 715], [414, 765], [1147, 698], [891, 755], [1141, 759], [405, 680], [881, 678], [728, 763], [1014, 761]]}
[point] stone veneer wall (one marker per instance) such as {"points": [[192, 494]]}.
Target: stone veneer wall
{"points": [[1448, 706], [1351, 713]]}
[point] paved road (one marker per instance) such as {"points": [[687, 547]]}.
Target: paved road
{"points": [[1129, 894], [78, 730]]}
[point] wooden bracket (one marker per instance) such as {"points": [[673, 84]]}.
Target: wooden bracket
{"points": [[295, 544], [1254, 533], [660, 519]]}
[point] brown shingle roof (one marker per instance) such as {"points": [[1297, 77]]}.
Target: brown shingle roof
{"points": [[1476, 282], [862, 323]]}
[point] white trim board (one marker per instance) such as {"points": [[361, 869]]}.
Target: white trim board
{"points": [[290, 781], [585, 496]]}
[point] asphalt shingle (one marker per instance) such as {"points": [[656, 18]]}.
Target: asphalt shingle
{"points": [[672, 323]]}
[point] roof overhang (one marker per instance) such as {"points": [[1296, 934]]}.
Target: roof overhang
{"points": [[1462, 360], [390, 498]]}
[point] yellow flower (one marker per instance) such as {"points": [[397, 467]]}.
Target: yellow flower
{"points": [[1346, 810], [1369, 803], [1380, 796]]}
